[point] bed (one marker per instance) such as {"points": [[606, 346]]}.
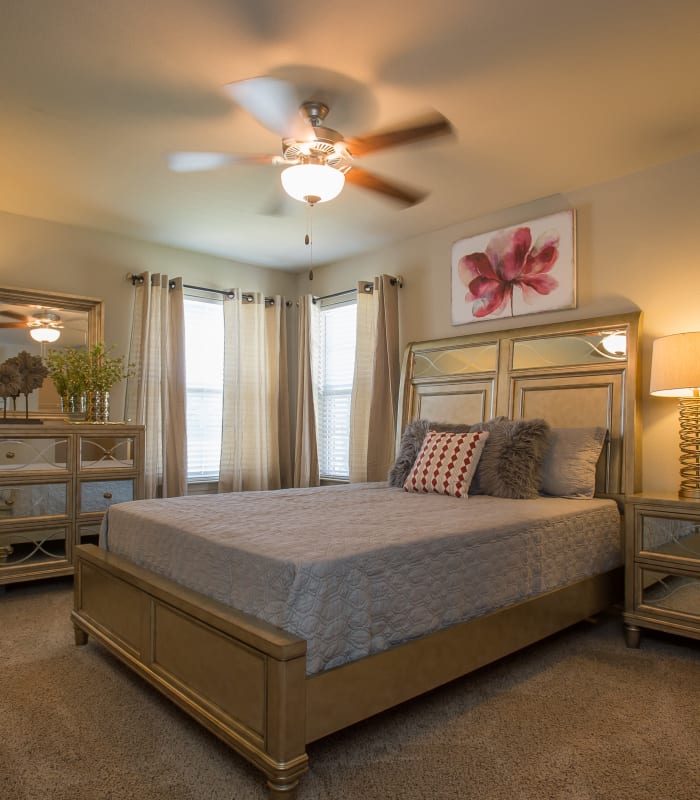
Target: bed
{"points": [[265, 642]]}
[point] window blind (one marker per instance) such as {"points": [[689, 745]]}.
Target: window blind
{"points": [[204, 368], [335, 368]]}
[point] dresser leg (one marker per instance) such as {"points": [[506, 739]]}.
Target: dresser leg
{"points": [[633, 635], [81, 636]]}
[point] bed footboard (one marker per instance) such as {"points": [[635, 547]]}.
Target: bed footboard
{"points": [[245, 680], [241, 678]]}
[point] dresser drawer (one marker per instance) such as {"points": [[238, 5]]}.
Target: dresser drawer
{"points": [[33, 501], [100, 495], [106, 452], [89, 534], [39, 550], [32, 454]]}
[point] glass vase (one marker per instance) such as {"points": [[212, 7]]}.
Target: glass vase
{"points": [[97, 409], [73, 406]]}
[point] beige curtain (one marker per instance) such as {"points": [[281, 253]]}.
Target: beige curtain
{"points": [[156, 395], [306, 471], [375, 388], [277, 368], [255, 426]]}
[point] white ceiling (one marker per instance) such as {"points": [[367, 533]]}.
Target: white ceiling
{"points": [[545, 96]]}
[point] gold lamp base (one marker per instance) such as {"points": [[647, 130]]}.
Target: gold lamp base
{"points": [[690, 447]]}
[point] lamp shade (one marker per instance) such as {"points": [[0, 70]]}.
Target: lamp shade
{"points": [[312, 183], [675, 365], [44, 334]]}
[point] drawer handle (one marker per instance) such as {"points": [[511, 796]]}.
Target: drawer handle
{"points": [[10, 454], [10, 501], [107, 495]]}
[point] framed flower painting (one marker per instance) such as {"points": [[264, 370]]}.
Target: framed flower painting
{"points": [[525, 269]]}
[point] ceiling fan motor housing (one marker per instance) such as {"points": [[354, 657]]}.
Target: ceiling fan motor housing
{"points": [[326, 148]]}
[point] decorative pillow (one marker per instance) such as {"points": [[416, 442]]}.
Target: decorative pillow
{"points": [[570, 464], [446, 463], [511, 466], [411, 443]]}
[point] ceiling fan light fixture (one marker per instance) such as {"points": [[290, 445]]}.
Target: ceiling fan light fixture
{"points": [[44, 334], [312, 183]]}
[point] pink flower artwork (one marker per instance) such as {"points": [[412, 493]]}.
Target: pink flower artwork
{"points": [[513, 264]]}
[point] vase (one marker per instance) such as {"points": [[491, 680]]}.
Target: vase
{"points": [[97, 409], [73, 405]]}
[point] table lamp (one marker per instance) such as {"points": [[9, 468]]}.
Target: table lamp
{"points": [[675, 372]]}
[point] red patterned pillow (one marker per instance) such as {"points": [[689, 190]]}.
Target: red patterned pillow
{"points": [[446, 463]]}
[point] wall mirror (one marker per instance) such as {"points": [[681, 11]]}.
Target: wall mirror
{"points": [[25, 317]]}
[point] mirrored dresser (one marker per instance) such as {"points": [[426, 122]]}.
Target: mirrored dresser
{"points": [[662, 566], [56, 481]]}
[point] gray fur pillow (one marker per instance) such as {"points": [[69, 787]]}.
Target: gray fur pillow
{"points": [[412, 441], [512, 467]]}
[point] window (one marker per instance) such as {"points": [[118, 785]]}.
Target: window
{"points": [[335, 368], [204, 369]]}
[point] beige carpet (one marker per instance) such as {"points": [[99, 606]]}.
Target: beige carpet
{"points": [[578, 717]]}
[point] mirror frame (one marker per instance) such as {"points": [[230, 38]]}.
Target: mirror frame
{"points": [[71, 302]]}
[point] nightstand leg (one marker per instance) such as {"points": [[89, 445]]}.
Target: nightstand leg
{"points": [[633, 635]]}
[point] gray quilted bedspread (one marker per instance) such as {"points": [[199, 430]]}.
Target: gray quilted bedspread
{"points": [[355, 569]]}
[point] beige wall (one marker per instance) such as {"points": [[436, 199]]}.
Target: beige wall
{"points": [[637, 248], [51, 257]]}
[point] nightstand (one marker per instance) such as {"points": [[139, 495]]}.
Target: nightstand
{"points": [[662, 565]]}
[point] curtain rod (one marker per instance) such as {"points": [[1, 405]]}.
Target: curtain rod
{"points": [[230, 293], [398, 280]]}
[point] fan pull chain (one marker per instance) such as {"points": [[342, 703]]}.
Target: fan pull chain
{"points": [[309, 239]]}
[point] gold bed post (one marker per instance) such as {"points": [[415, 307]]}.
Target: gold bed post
{"points": [[286, 682]]}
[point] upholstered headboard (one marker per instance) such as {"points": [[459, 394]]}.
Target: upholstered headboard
{"points": [[572, 374]]}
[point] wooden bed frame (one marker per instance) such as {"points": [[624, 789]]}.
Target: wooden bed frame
{"points": [[245, 680]]}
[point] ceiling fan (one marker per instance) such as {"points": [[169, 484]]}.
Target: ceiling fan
{"points": [[317, 160], [43, 325]]}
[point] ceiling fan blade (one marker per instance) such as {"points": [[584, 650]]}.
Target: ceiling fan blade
{"points": [[13, 325], [425, 128], [368, 180], [273, 102], [13, 314], [201, 161]]}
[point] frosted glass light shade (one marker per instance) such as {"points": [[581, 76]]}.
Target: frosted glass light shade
{"points": [[675, 365], [45, 335], [312, 183], [615, 344]]}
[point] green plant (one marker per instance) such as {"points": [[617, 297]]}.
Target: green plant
{"points": [[68, 371], [104, 370], [76, 371]]}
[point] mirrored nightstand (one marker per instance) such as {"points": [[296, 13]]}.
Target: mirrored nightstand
{"points": [[662, 566]]}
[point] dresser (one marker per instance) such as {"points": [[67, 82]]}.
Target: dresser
{"points": [[56, 481], [662, 567]]}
